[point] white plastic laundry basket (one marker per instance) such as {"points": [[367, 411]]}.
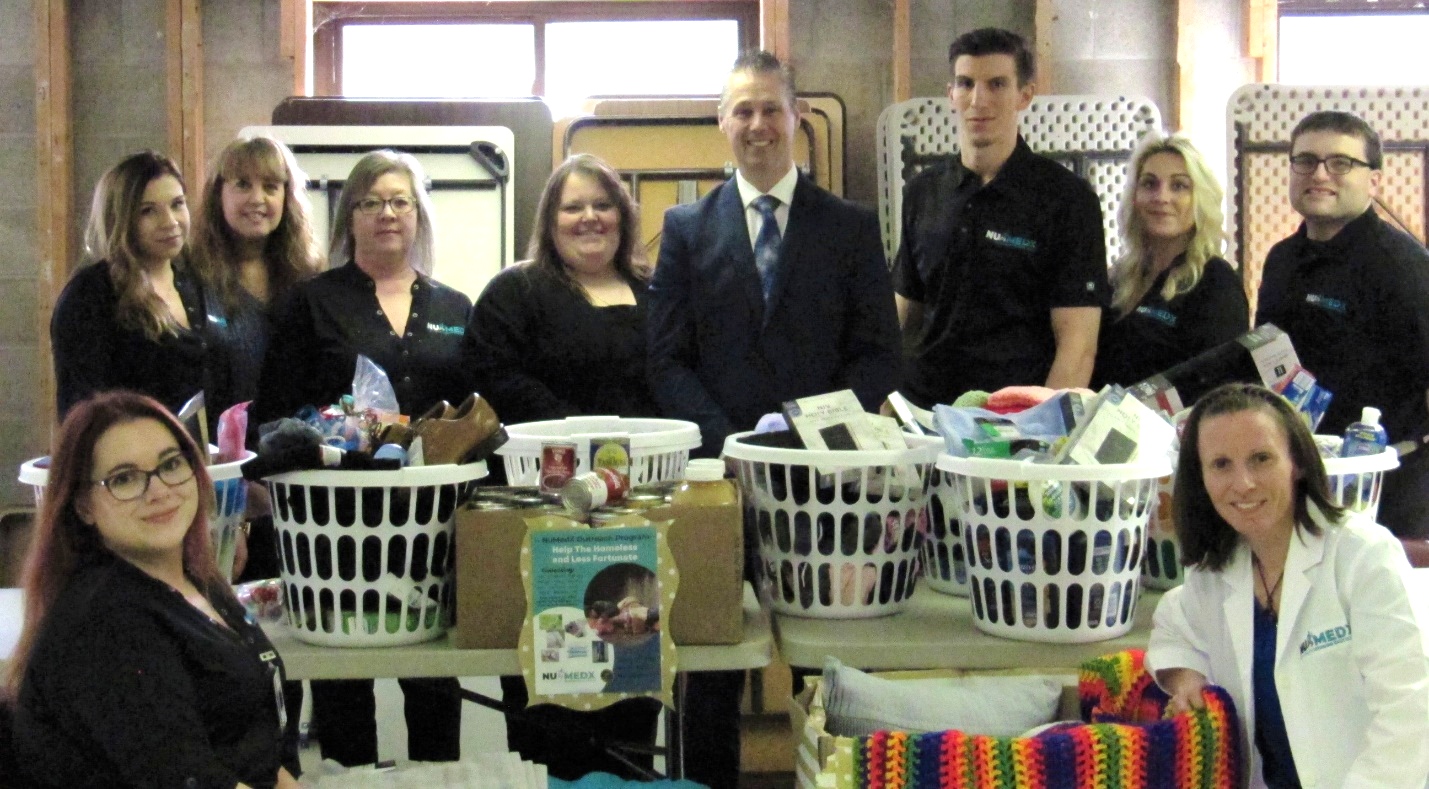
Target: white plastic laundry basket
{"points": [[224, 519], [367, 557], [1054, 551], [837, 531], [945, 565], [658, 447], [1355, 483]]}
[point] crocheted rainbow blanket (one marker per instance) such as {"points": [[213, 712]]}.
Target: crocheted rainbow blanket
{"points": [[1126, 744]]}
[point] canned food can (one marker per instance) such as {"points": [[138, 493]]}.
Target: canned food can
{"points": [[594, 489], [558, 464]]}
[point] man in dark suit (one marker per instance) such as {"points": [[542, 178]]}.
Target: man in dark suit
{"points": [[767, 289], [722, 352]]}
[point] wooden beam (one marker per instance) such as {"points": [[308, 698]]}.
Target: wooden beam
{"points": [[1185, 65], [774, 27], [1262, 29], [184, 50], [1044, 29], [54, 164], [902, 51], [295, 42]]}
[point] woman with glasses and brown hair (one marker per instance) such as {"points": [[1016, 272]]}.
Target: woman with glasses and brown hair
{"points": [[140, 317], [136, 666], [1174, 296], [383, 304]]}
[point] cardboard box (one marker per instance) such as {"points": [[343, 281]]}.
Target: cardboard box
{"points": [[707, 542], [814, 765], [1263, 355]]}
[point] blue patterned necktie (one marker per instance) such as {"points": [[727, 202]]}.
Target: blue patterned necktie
{"points": [[766, 244]]}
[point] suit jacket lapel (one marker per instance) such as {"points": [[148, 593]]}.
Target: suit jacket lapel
{"points": [[734, 237]]}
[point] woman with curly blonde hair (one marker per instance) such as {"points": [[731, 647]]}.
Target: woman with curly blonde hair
{"points": [[1174, 296]]}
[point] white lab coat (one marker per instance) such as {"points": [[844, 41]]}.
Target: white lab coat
{"points": [[1351, 657]]}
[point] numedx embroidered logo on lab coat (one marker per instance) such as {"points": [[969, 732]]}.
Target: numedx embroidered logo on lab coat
{"points": [[1325, 639]]}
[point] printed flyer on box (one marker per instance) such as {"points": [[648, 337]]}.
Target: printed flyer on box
{"points": [[596, 611]]}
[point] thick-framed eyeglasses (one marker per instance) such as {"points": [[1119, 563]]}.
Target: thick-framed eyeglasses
{"points": [[131, 483], [401, 204], [1338, 164]]}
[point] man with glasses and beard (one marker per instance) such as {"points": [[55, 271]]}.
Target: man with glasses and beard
{"points": [[1353, 294]]}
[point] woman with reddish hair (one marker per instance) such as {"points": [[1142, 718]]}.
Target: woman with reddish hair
{"points": [[136, 666]]}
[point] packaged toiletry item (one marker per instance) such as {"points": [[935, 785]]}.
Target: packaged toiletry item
{"points": [[1365, 437]]}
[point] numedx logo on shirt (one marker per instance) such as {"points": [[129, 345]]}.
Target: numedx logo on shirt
{"points": [[1329, 637], [1157, 314], [442, 328], [1011, 241], [1330, 303]]}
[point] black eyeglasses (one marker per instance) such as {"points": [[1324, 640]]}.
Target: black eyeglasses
{"points": [[1338, 164], [401, 204], [131, 483]]}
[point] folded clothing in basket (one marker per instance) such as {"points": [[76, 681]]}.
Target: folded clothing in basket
{"points": [[859, 704]]}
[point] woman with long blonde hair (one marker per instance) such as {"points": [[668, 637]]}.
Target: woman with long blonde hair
{"points": [[1174, 296]]}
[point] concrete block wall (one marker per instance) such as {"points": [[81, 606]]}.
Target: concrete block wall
{"points": [[244, 76], [1122, 47], [19, 351]]}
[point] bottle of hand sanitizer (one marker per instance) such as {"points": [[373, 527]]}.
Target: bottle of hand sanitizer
{"points": [[1365, 437]]}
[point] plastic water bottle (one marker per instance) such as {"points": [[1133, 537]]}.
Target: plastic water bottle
{"points": [[1365, 437]]}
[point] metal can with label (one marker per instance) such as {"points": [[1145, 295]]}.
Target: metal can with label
{"points": [[558, 464], [594, 489]]}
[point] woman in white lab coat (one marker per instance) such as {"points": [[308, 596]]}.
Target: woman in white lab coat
{"points": [[1301, 610]]}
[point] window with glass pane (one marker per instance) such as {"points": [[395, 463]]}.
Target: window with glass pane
{"points": [[638, 58], [438, 61], [1368, 49]]}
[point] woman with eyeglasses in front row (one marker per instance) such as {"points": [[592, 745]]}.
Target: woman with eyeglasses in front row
{"points": [[136, 666]]}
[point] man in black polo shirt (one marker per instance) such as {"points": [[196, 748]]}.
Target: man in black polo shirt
{"points": [[1001, 274], [1353, 294]]}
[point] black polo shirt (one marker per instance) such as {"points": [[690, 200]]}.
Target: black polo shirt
{"points": [[989, 263], [1357, 309], [330, 319], [94, 352], [130, 685], [1159, 334]]}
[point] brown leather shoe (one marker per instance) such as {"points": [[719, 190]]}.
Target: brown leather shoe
{"points": [[397, 433], [442, 410], [472, 433]]}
